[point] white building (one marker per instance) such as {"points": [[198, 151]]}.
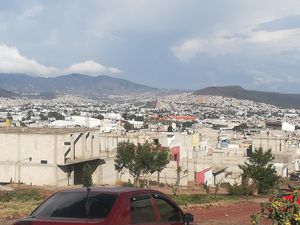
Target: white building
{"points": [[48, 156]]}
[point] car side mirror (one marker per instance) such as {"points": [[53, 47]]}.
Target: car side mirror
{"points": [[187, 218]]}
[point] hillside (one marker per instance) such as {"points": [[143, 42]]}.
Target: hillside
{"points": [[7, 94], [93, 87], [273, 98]]}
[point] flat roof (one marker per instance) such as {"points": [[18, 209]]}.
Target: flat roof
{"points": [[82, 161], [43, 130]]}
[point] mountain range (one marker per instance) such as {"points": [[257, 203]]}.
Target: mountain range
{"points": [[76, 84], [273, 98], [14, 85]]}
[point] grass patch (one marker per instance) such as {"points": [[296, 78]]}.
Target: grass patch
{"points": [[21, 195], [15, 210], [19, 203], [202, 198]]}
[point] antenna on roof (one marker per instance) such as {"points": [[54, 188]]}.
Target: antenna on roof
{"points": [[87, 202]]}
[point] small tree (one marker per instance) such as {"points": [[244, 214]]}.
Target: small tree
{"points": [[56, 115], [240, 127], [43, 117], [125, 151], [87, 176], [261, 170], [30, 113], [161, 157], [176, 186], [128, 126], [170, 129], [99, 117], [140, 160]]}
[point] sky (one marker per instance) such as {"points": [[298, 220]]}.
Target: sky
{"points": [[176, 44]]}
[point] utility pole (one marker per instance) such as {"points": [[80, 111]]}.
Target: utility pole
{"points": [[17, 164]]}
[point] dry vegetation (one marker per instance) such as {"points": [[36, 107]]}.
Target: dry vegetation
{"points": [[19, 203], [16, 209]]}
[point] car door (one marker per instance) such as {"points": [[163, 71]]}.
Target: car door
{"points": [[142, 211], [169, 214]]}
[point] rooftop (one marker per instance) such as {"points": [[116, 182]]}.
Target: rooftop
{"points": [[42, 130]]}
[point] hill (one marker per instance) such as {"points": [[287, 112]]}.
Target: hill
{"points": [[273, 98], [93, 87], [7, 94]]}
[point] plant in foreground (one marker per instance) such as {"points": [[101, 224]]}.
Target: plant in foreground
{"points": [[282, 210]]}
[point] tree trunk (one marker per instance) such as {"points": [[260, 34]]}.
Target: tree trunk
{"points": [[158, 178], [137, 181]]}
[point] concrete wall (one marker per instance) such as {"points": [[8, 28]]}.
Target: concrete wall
{"points": [[282, 146], [47, 151], [220, 159]]}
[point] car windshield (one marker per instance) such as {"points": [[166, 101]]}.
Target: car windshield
{"points": [[76, 205]]}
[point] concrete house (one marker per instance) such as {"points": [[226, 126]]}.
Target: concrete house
{"points": [[44, 156]]}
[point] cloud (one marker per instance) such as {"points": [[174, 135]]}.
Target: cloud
{"points": [[220, 44], [262, 78], [280, 36], [91, 68], [212, 45], [11, 61], [114, 70], [31, 12], [189, 48], [284, 23]]}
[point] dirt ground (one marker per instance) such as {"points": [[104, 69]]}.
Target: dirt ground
{"points": [[231, 214]]}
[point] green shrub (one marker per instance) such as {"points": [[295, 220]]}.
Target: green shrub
{"points": [[225, 185], [128, 184], [21, 195], [87, 172], [143, 183], [161, 185], [240, 189], [201, 198], [153, 183]]}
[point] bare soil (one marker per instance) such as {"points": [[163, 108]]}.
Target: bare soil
{"points": [[230, 214]]}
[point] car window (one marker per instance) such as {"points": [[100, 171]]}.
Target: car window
{"points": [[168, 212], [141, 210], [76, 205]]}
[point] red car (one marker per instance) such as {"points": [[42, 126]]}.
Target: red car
{"points": [[107, 206]]}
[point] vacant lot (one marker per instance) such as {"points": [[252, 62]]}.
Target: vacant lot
{"points": [[207, 209], [229, 214]]}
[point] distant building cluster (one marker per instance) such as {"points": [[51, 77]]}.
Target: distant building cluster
{"points": [[207, 136]]}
